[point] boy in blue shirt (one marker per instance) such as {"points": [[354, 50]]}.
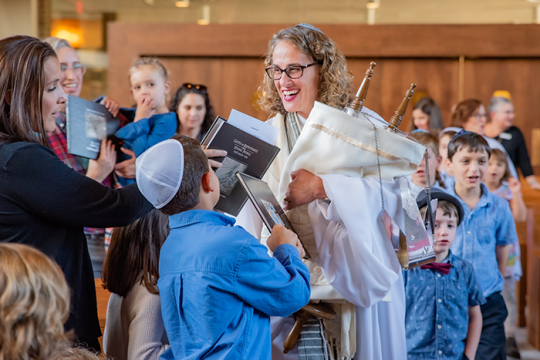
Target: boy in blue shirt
{"points": [[442, 314], [484, 235], [218, 285]]}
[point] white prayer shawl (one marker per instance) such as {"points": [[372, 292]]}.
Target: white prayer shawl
{"points": [[362, 268]]}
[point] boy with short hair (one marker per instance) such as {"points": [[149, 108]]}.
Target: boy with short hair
{"points": [[218, 285], [483, 237], [442, 315]]}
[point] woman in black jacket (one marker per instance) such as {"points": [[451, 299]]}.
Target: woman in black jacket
{"points": [[43, 202]]}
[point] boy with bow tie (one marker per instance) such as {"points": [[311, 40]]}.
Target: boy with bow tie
{"points": [[443, 318]]}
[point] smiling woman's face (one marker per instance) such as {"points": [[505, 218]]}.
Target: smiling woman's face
{"points": [[72, 75], [298, 95], [53, 95]]}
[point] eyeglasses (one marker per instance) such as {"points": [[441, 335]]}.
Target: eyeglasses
{"points": [[190, 86], [479, 115], [77, 67], [293, 71]]}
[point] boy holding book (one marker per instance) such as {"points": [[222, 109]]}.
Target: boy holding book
{"points": [[218, 285], [483, 237], [443, 318]]}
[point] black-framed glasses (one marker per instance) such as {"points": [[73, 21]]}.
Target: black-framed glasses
{"points": [[292, 71], [191, 86]]}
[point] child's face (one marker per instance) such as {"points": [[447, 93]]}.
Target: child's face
{"points": [[420, 119], [443, 146], [147, 82], [469, 168], [419, 176], [445, 231], [496, 170]]}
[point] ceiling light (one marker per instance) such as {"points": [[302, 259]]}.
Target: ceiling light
{"points": [[373, 4], [182, 4], [148, 2]]}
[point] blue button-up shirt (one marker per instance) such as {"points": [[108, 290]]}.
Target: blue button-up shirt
{"points": [[218, 288], [489, 224], [437, 310]]}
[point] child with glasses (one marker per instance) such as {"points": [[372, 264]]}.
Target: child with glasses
{"points": [[152, 120]]}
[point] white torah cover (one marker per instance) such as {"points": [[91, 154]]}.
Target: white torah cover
{"points": [[352, 258]]}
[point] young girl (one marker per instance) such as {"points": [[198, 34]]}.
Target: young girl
{"points": [[499, 181], [192, 106], [152, 121], [418, 179], [134, 327], [444, 138]]}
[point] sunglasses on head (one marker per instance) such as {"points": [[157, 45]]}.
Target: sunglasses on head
{"points": [[190, 86]]}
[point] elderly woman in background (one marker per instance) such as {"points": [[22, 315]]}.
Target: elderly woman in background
{"points": [[303, 66], [501, 128]]}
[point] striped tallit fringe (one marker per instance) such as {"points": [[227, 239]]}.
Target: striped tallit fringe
{"points": [[311, 342]]}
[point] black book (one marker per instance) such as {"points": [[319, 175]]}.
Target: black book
{"points": [[266, 204], [245, 153], [87, 124]]}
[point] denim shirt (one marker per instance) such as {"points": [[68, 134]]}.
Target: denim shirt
{"points": [[489, 224], [219, 287], [437, 310]]}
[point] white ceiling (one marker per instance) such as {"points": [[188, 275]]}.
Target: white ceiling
{"points": [[313, 11]]}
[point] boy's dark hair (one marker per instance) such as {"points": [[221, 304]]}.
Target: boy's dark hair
{"points": [[468, 140], [195, 166], [134, 249], [447, 207]]}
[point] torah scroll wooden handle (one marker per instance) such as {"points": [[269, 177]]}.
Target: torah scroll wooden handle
{"points": [[319, 310], [397, 118], [358, 102]]}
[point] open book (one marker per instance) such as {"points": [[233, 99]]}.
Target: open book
{"points": [[246, 153], [266, 204], [87, 124]]}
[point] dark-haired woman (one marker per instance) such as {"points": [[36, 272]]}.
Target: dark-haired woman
{"points": [[426, 115], [134, 328], [193, 109], [44, 203]]}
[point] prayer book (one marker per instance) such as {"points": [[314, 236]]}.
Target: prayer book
{"points": [[87, 123], [266, 203], [246, 153]]}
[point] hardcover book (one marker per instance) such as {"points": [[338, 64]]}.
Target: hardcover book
{"points": [[245, 153], [265, 203], [87, 123]]}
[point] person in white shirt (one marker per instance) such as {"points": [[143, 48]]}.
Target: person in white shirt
{"points": [[134, 328]]}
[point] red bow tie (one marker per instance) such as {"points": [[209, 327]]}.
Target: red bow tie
{"points": [[440, 267]]}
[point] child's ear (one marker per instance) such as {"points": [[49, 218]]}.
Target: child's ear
{"points": [[206, 183], [167, 86], [439, 161], [448, 163]]}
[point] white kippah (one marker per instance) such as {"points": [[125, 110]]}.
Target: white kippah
{"points": [[159, 172]]}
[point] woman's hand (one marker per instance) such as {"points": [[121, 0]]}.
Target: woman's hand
{"points": [[145, 109], [101, 168], [126, 168], [210, 153], [111, 105], [303, 189]]}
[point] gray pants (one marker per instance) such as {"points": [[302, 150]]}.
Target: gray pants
{"points": [[96, 248], [509, 295]]}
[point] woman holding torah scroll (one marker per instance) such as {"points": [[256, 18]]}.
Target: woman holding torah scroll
{"points": [[353, 267]]}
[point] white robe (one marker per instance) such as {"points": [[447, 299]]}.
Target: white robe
{"points": [[361, 266]]}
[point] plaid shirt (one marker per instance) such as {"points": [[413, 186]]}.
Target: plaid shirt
{"points": [[58, 143]]}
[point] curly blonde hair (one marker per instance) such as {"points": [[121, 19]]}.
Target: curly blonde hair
{"points": [[335, 80], [34, 304]]}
